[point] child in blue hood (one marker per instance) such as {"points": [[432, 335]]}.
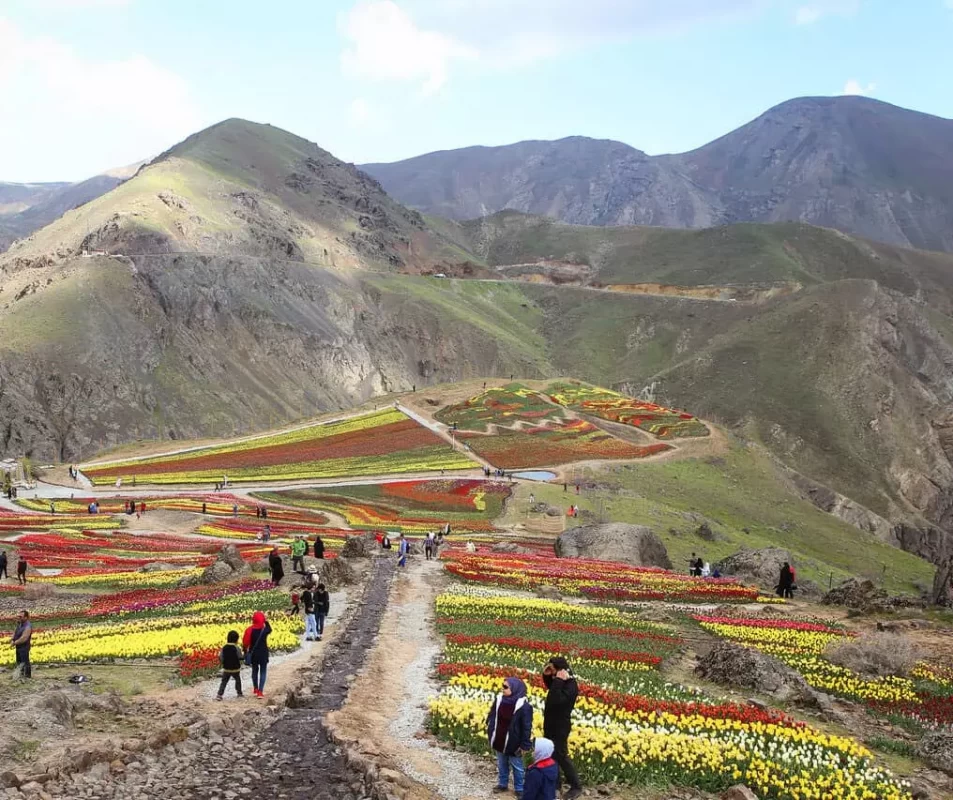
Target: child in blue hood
{"points": [[509, 727], [543, 774]]}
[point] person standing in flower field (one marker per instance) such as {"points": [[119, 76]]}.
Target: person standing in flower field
{"points": [[22, 635], [276, 567], [509, 726], [557, 718], [3, 565], [21, 569], [318, 548]]}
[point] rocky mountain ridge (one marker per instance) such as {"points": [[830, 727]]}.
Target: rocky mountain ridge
{"points": [[851, 163]]}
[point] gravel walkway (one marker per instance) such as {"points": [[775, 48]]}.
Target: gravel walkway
{"points": [[463, 776]]}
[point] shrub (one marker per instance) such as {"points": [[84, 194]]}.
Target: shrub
{"points": [[875, 654]]}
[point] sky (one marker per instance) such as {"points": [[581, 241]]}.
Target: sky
{"points": [[88, 85]]}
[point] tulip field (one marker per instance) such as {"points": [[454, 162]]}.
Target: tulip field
{"points": [[381, 442], [153, 621], [11, 521], [599, 580], [630, 725], [214, 504], [926, 697], [665, 423], [414, 506], [506, 406]]}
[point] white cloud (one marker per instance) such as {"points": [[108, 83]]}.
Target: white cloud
{"points": [[385, 44], [424, 41], [811, 13], [360, 111], [854, 87], [79, 111]]}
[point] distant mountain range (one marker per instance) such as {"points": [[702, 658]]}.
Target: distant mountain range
{"points": [[27, 207], [850, 163]]}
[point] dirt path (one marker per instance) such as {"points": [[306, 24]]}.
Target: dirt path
{"points": [[386, 710]]}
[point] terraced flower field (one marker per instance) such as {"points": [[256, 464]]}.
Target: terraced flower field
{"points": [[602, 580], [507, 406], [665, 423], [10, 521], [405, 506], [382, 442], [630, 725], [926, 697]]}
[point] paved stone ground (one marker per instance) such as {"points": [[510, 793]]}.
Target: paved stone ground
{"points": [[264, 754]]}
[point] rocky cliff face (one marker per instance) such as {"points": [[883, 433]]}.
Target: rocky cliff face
{"points": [[850, 163]]}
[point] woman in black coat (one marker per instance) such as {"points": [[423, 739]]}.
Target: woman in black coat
{"points": [[276, 567]]}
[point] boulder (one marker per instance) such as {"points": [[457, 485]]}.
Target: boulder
{"points": [[739, 792], [740, 667], [510, 547], [335, 572], [758, 567], [217, 572], [615, 541], [159, 566], [230, 555], [548, 591], [363, 545], [936, 749], [857, 593], [942, 593]]}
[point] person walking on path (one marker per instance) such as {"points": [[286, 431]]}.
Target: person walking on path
{"points": [[403, 547], [542, 777], [276, 567], [21, 570], [297, 555], [557, 718], [231, 661], [509, 726], [3, 565], [255, 642], [318, 548], [322, 607], [310, 621], [785, 581], [430, 545], [22, 635]]}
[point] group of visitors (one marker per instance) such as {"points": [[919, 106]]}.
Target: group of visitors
{"points": [[317, 606], [700, 568], [300, 549], [21, 567], [130, 508], [509, 726]]}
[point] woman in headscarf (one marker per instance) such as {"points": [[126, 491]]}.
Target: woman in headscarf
{"points": [[255, 643], [510, 728], [276, 567], [543, 774]]}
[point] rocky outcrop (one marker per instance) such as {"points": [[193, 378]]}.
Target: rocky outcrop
{"points": [[942, 593], [729, 664], [936, 748], [363, 545], [616, 541], [864, 596], [826, 499], [760, 567]]}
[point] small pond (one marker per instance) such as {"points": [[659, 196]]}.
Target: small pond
{"points": [[534, 475]]}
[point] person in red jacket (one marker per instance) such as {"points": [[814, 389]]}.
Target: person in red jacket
{"points": [[543, 774], [255, 644]]}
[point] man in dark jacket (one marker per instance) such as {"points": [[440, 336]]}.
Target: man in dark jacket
{"points": [[322, 607], [318, 547], [3, 565], [557, 718], [22, 635]]}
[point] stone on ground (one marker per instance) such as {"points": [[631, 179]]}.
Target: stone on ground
{"points": [[760, 567], [615, 541], [936, 748], [732, 665], [363, 545]]}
